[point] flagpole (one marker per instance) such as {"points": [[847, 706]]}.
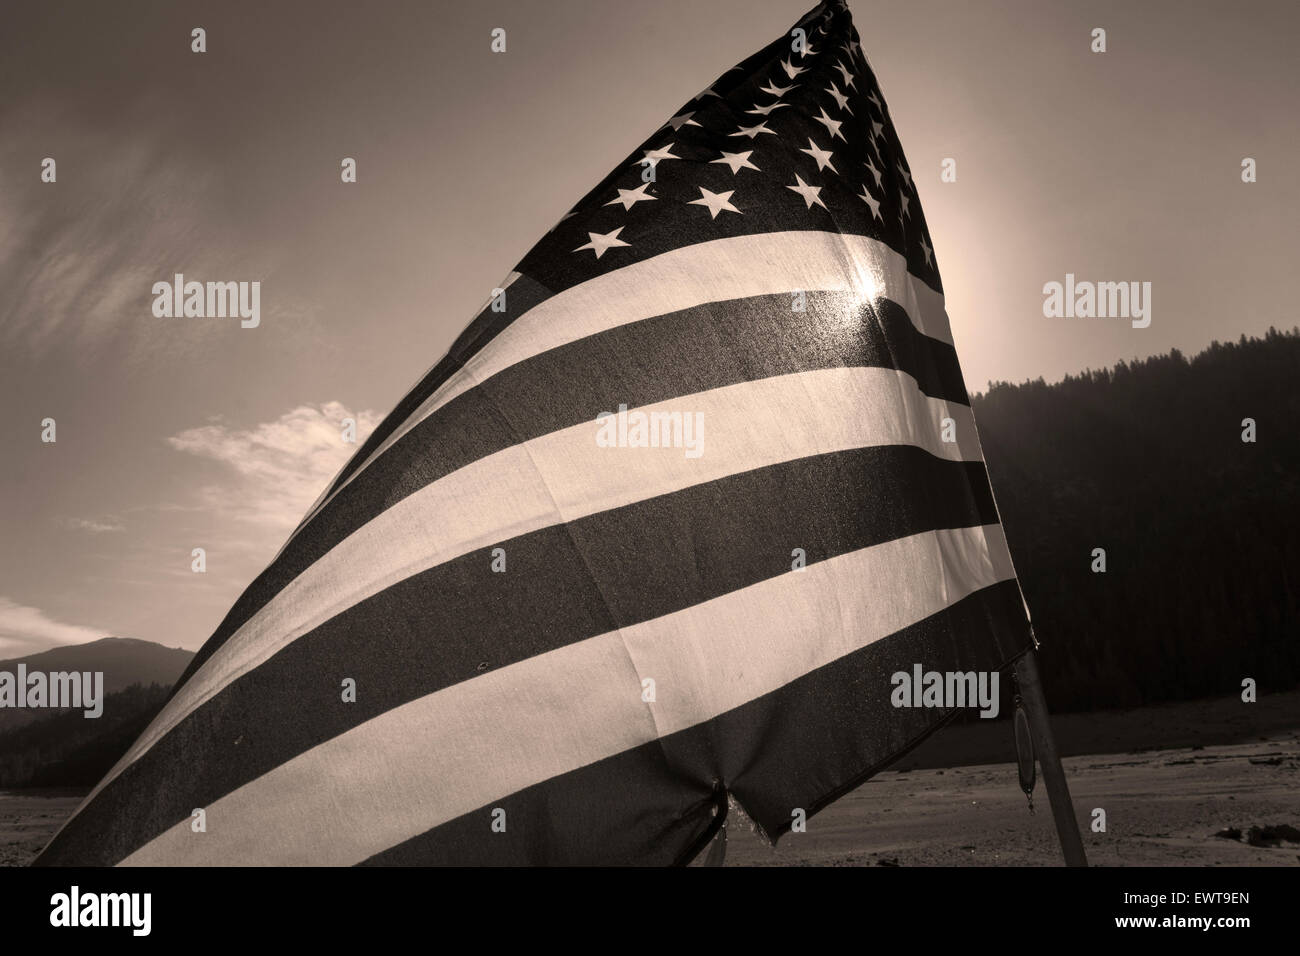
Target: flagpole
{"points": [[1058, 791]]}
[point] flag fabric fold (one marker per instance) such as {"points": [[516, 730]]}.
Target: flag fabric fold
{"points": [[660, 527]]}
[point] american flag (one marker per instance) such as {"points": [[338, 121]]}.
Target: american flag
{"points": [[574, 637]]}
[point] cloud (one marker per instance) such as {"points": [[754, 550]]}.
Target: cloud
{"points": [[275, 470], [78, 257], [91, 525], [26, 630]]}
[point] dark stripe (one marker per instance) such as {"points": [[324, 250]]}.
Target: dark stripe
{"points": [[562, 584], [798, 747], [714, 345]]}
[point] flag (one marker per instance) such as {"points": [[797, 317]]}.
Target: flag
{"points": [[653, 537]]}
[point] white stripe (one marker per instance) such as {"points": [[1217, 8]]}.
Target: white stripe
{"points": [[454, 751], [714, 271], [565, 475]]}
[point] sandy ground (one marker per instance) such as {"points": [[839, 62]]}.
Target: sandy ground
{"points": [[28, 818], [1163, 808]]}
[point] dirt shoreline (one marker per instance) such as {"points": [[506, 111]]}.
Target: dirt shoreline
{"points": [[1163, 808], [1165, 788]]}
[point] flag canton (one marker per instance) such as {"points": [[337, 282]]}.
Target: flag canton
{"points": [[796, 137]]}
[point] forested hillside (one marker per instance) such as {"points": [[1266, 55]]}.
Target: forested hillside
{"points": [[1201, 530], [67, 750]]}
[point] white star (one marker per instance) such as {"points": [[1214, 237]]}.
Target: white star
{"points": [[717, 202], [847, 74], [791, 71], [904, 173], [808, 50], [654, 155], [737, 161], [823, 156], [777, 91], [630, 197], [873, 203], [832, 126], [682, 119], [875, 172], [599, 243], [752, 131], [840, 98], [927, 250], [765, 110], [877, 129], [708, 92], [876, 103], [902, 197], [809, 193]]}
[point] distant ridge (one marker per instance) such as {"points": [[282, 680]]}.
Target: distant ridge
{"points": [[123, 660]]}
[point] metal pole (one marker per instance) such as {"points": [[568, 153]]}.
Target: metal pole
{"points": [[1058, 792]]}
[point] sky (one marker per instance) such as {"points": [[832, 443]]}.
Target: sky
{"points": [[174, 434]]}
